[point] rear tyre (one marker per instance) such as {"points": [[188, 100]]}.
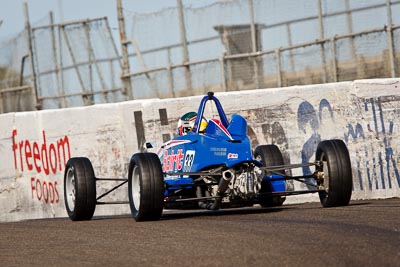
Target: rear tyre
{"points": [[269, 155], [145, 187], [79, 189], [336, 165]]}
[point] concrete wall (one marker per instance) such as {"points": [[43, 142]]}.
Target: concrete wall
{"points": [[34, 146]]}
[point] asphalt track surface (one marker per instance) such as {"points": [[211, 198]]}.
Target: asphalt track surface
{"points": [[365, 233]]}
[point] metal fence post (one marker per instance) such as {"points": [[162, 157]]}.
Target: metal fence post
{"points": [[184, 47], [55, 62], [170, 74], [389, 32], [125, 80], [350, 28], [278, 66], [35, 56], [333, 56], [30, 53], [320, 20], [321, 36], [253, 43], [90, 61], [61, 82], [223, 76], [290, 43]]}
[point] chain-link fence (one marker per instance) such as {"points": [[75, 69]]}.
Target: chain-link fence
{"points": [[77, 64], [16, 90], [180, 51], [247, 44], [74, 64]]}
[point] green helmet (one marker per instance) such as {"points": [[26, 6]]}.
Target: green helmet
{"points": [[186, 123]]}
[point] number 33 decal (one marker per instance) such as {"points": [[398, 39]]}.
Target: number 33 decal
{"points": [[189, 158]]}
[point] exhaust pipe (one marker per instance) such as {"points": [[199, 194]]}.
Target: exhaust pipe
{"points": [[225, 180], [222, 187]]}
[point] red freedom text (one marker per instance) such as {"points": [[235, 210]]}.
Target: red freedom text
{"points": [[44, 158]]}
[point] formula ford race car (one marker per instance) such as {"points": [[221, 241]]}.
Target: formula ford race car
{"points": [[211, 168]]}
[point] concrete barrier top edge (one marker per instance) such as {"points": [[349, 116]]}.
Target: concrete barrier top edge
{"points": [[358, 87]]}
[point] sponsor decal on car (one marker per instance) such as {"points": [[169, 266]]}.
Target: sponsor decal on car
{"points": [[189, 159], [168, 145], [233, 156], [218, 151], [173, 161], [173, 143]]}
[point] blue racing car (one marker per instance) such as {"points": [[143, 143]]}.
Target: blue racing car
{"points": [[210, 164]]}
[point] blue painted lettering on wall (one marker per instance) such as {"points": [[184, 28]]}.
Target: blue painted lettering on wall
{"points": [[308, 119], [379, 133], [355, 134], [368, 138]]}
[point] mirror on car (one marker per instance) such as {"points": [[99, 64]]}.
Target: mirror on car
{"points": [[151, 145]]}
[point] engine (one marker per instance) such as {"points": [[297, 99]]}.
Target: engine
{"points": [[240, 182], [237, 186], [246, 182]]}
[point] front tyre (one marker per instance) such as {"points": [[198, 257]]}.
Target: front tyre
{"points": [[269, 155], [79, 189], [336, 166], [145, 187]]}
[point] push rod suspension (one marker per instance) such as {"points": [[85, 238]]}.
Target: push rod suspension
{"points": [[113, 189]]}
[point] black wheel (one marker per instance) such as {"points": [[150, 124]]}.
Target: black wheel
{"points": [[269, 155], [336, 166], [79, 189], [145, 187]]}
